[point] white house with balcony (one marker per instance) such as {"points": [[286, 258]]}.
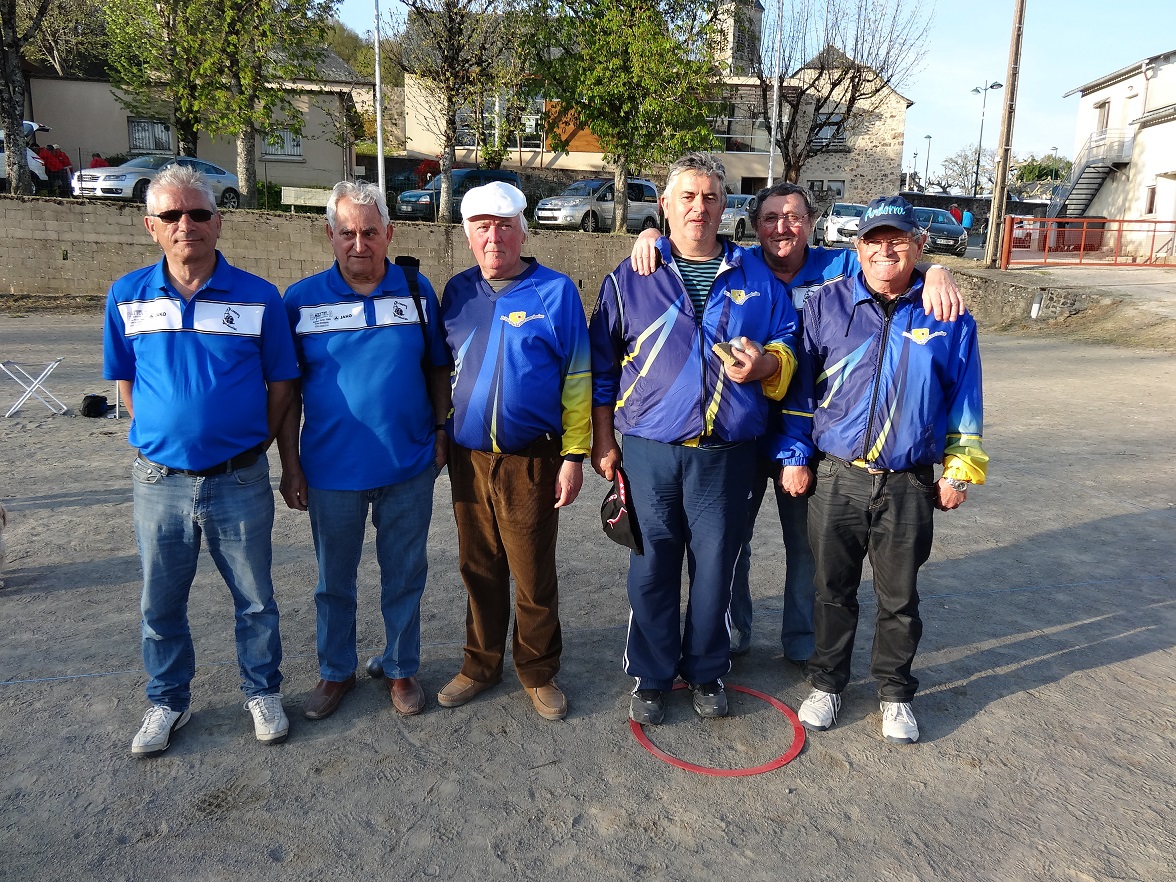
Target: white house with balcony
{"points": [[1124, 145]]}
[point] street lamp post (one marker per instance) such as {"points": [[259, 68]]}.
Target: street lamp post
{"points": [[927, 163], [982, 90]]}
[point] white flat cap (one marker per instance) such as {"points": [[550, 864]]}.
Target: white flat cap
{"points": [[496, 199]]}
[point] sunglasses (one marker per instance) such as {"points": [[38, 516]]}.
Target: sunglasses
{"points": [[200, 215]]}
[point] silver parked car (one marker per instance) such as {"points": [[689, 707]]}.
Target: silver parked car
{"points": [[838, 224], [130, 180], [589, 205], [735, 222]]}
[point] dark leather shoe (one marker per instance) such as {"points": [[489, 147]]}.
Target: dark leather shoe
{"points": [[325, 698], [461, 689], [407, 696]]}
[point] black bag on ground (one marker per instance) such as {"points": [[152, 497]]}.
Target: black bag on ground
{"points": [[94, 406]]}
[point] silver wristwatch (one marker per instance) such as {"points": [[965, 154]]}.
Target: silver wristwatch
{"points": [[957, 485]]}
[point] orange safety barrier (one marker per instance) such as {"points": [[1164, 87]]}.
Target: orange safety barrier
{"points": [[1087, 241]]}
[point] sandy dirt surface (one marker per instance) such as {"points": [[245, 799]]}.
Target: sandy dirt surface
{"points": [[1047, 704]]}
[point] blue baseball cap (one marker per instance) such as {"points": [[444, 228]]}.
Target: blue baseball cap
{"points": [[888, 211]]}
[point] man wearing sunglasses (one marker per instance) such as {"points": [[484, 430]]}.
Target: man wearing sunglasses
{"points": [[205, 363], [883, 394], [368, 340]]}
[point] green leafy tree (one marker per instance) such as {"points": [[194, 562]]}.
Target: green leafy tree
{"points": [[71, 36], [638, 74], [162, 61], [264, 47], [14, 37]]}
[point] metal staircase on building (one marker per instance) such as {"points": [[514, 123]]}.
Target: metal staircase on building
{"points": [[1104, 152]]}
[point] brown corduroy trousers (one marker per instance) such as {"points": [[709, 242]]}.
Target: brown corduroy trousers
{"points": [[507, 525]]}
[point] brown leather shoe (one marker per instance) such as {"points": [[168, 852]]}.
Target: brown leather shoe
{"points": [[549, 700], [461, 689], [325, 698], [407, 696]]}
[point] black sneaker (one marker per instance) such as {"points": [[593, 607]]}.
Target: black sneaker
{"points": [[710, 699], [647, 706]]}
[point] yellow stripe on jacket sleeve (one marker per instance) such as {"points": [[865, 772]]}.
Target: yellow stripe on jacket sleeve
{"points": [[576, 404], [777, 384], [964, 459]]}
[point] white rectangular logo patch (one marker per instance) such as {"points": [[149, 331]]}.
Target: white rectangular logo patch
{"points": [[330, 317], [145, 316], [395, 311], [242, 319]]}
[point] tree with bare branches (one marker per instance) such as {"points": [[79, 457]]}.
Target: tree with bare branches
{"points": [[846, 57], [447, 46]]}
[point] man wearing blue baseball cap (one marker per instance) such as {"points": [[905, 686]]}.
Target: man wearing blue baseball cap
{"points": [[519, 430], [884, 393]]}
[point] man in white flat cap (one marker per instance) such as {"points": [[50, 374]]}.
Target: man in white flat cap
{"points": [[519, 431]]}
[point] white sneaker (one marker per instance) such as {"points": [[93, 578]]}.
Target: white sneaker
{"points": [[270, 723], [819, 710], [155, 733], [898, 722]]}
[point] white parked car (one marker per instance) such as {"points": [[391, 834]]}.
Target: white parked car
{"points": [[36, 167], [130, 180], [838, 224]]}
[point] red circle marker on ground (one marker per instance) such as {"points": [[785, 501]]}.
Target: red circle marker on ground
{"points": [[782, 760]]}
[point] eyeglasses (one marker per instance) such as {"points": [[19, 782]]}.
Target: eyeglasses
{"points": [[773, 220], [200, 215], [896, 245]]}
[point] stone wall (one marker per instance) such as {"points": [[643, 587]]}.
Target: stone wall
{"points": [[65, 248], [59, 247]]}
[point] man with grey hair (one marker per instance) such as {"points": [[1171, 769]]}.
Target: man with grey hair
{"points": [[205, 363], [685, 361], [368, 342], [520, 430]]}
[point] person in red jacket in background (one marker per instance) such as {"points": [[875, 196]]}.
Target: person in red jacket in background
{"points": [[96, 161]]}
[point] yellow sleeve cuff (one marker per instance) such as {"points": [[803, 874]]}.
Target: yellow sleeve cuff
{"points": [[777, 384]]}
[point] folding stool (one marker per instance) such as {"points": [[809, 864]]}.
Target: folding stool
{"points": [[32, 386]]}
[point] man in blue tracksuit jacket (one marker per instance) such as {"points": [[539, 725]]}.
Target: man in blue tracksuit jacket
{"points": [[689, 425], [883, 394]]}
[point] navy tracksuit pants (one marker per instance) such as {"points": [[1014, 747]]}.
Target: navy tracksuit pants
{"points": [[692, 501]]}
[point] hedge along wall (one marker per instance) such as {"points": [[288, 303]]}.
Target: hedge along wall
{"points": [[66, 248]]}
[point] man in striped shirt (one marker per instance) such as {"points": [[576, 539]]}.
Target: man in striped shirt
{"points": [[688, 420]]}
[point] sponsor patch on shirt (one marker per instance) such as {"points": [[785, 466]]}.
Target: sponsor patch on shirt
{"points": [[519, 318], [739, 296], [242, 319], [350, 316], [922, 335], [146, 316], [395, 311]]}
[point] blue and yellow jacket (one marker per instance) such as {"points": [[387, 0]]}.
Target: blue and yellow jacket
{"points": [[522, 367], [892, 392], [652, 357]]}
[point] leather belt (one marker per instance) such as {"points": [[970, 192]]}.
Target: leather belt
{"points": [[230, 465]]}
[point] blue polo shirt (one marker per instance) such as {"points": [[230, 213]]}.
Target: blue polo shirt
{"points": [[821, 265], [199, 367], [368, 418]]}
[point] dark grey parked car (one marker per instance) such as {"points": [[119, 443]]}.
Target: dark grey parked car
{"points": [[944, 234]]}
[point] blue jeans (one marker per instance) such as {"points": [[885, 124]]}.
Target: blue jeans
{"points": [[401, 514], [692, 501], [796, 625], [235, 513]]}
